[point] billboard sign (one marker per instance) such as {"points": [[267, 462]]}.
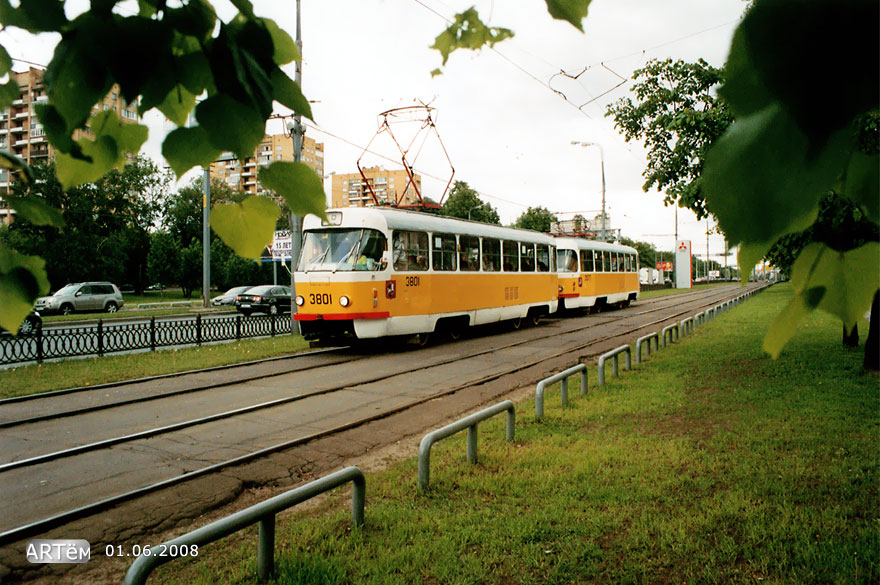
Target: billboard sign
{"points": [[664, 266], [281, 245], [683, 271]]}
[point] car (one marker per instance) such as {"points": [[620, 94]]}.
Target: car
{"points": [[228, 298], [82, 296], [270, 299], [31, 324]]}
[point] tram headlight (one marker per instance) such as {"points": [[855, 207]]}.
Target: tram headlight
{"points": [[344, 301], [299, 300]]}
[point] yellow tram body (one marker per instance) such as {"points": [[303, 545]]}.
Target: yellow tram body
{"points": [[375, 272], [596, 273]]}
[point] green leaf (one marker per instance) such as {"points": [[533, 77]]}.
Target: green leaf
{"points": [[784, 325], [56, 128], [287, 93], [44, 15], [245, 7], [797, 46], [75, 80], [748, 257], [574, 11], [299, 185], [107, 151], [177, 105], [762, 181], [743, 90], [850, 278], [16, 166], [185, 148], [231, 125], [863, 183], [5, 62], [195, 72], [35, 210], [286, 50], [22, 280], [9, 92], [246, 227], [468, 32]]}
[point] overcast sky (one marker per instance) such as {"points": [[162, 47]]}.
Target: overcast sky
{"points": [[507, 133]]}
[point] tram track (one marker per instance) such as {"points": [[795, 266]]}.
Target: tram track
{"points": [[60, 519], [5, 424]]}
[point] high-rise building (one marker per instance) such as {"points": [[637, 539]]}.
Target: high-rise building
{"points": [[392, 187], [242, 175], [22, 134]]}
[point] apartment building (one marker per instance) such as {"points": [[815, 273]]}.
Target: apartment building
{"points": [[242, 174], [22, 134], [392, 187]]}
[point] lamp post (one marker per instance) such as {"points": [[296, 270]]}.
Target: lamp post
{"points": [[602, 162], [472, 208]]}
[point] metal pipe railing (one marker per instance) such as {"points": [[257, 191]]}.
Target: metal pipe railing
{"points": [[262, 514], [469, 423], [614, 355], [563, 377]]}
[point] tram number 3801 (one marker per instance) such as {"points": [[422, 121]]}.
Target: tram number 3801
{"points": [[411, 281], [321, 298]]}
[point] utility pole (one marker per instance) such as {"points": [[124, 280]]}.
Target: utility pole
{"points": [[602, 163], [206, 238], [707, 249], [296, 130]]}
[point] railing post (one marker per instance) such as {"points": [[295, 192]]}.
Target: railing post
{"points": [[584, 382], [100, 337], [199, 329], [39, 344], [266, 548], [272, 320], [472, 443], [563, 388], [238, 327]]}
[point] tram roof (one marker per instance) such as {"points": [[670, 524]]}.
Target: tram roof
{"points": [[387, 217], [569, 243]]}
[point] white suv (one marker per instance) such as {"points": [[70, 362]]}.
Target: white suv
{"points": [[82, 296]]}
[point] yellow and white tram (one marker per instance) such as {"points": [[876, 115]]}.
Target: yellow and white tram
{"points": [[376, 272], [596, 273]]}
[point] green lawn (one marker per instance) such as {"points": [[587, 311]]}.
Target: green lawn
{"points": [[711, 463]]}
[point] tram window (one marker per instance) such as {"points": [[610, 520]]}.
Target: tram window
{"points": [[552, 258], [615, 262], [606, 261], [491, 255], [568, 260], [542, 258], [635, 263], [443, 251], [341, 250], [469, 253], [510, 252], [527, 257], [629, 262], [410, 250], [587, 264]]}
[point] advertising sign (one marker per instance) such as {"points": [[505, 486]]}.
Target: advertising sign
{"points": [[683, 271], [281, 245], [665, 266]]}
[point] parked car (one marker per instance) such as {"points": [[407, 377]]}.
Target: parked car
{"points": [[228, 298], [270, 299], [32, 323], [82, 296]]}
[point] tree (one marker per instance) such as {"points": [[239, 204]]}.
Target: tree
{"points": [[790, 143], [536, 218], [465, 203], [104, 226], [678, 115], [647, 252], [163, 259], [163, 57]]}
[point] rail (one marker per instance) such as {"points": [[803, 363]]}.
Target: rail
{"points": [[563, 377], [147, 334], [655, 337], [470, 423], [614, 354], [263, 513]]}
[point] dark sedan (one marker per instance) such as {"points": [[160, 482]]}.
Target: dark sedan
{"points": [[228, 298], [270, 299], [30, 325]]}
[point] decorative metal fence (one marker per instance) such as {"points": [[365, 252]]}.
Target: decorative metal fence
{"points": [[115, 337]]}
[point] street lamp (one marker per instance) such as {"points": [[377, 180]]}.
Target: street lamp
{"points": [[602, 162], [472, 208]]}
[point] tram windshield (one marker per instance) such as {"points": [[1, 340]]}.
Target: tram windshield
{"points": [[342, 250]]}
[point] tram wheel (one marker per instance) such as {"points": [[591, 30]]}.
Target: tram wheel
{"points": [[535, 319], [517, 323], [421, 339]]}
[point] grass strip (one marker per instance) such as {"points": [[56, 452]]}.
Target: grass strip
{"points": [[710, 463], [71, 373]]}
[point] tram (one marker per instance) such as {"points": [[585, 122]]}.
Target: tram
{"points": [[596, 274], [375, 272]]}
